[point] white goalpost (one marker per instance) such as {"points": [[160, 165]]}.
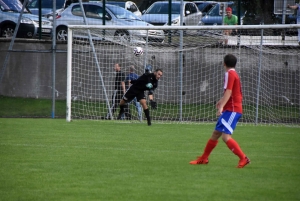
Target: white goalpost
{"points": [[191, 58]]}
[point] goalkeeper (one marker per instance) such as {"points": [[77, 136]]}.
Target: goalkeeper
{"points": [[146, 82]]}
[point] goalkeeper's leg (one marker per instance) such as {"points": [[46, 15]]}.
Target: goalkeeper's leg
{"points": [[146, 111], [122, 109]]}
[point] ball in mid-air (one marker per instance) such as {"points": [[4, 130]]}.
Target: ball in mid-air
{"points": [[138, 51]]}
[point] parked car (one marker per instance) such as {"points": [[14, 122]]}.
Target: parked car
{"points": [[115, 15], [128, 5], [158, 13], [213, 17], [47, 7], [29, 27], [205, 6]]}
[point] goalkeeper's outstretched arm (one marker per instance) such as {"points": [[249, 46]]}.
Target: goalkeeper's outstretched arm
{"points": [[151, 97], [153, 104]]}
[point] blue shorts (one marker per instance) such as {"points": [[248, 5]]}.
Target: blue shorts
{"points": [[227, 122]]}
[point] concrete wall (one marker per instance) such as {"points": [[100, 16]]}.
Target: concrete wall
{"points": [[29, 72]]}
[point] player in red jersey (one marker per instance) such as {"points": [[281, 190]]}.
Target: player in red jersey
{"points": [[229, 110]]}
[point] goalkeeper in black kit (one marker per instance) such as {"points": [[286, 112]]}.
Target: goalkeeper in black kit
{"points": [[146, 82]]}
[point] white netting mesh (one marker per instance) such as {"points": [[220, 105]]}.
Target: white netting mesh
{"points": [[193, 72]]}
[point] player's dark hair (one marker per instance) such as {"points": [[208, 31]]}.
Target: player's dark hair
{"points": [[230, 60], [158, 69]]}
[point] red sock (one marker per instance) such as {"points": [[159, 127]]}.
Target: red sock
{"points": [[210, 145], [235, 148]]}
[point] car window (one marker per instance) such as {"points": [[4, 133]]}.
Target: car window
{"points": [[201, 6], [214, 11], [207, 8], [76, 10], [93, 11], [193, 8], [121, 13], [163, 8]]}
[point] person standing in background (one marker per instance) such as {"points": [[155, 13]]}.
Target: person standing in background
{"points": [[229, 19], [119, 90], [296, 7]]}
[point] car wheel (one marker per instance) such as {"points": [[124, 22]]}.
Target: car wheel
{"points": [[62, 34], [122, 35], [8, 31]]}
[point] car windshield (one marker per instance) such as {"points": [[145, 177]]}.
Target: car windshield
{"points": [[12, 6], [46, 4], [163, 8], [121, 13], [201, 6], [214, 11]]}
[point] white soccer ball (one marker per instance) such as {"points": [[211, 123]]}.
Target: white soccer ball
{"points": [[138, 51]]}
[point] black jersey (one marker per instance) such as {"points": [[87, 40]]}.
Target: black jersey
{"points": [[120, 77], [143, 80]]}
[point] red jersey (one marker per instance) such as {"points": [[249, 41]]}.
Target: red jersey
{"points": [[233, 83]]}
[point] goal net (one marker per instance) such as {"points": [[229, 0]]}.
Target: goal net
{"points": [[193, 73]]}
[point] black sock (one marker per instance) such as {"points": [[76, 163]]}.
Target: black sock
{"points": [[147, 114], [121, 111]]}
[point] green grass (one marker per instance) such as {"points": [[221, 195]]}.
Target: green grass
{"points": [[30, 107], [50, 159]]}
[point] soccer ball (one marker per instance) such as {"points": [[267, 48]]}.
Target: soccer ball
{"points": [[138, 51]]}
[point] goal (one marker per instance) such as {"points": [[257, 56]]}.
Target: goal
{"points": [[191, 58]]}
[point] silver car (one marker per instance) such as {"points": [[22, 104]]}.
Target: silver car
{"points": [[115, 15], [158, 13], [29, 26], [128, 5]]}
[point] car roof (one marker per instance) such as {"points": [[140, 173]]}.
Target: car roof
{"points": [[175, 2], [94, 3]]}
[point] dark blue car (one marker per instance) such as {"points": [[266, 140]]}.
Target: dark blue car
{"points": [[213, 17]]}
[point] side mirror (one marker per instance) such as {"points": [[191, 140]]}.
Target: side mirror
{"points": [[187, 12], [107, 17]]}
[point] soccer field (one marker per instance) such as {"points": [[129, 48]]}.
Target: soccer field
{"points": [[50, 159]]}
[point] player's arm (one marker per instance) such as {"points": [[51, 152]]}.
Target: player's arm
{"points": [[292, 7], [151, 97], [123, 86], [152, 102], [221, 103]]}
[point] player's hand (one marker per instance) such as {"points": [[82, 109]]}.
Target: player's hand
{"points": [[153, 104], [219, 111], [149, 86]]}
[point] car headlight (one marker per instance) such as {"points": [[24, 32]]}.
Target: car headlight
{"points": [[26, 20], [47, 23]]}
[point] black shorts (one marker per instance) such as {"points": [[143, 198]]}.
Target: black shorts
{"points": [[131, 93]]}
